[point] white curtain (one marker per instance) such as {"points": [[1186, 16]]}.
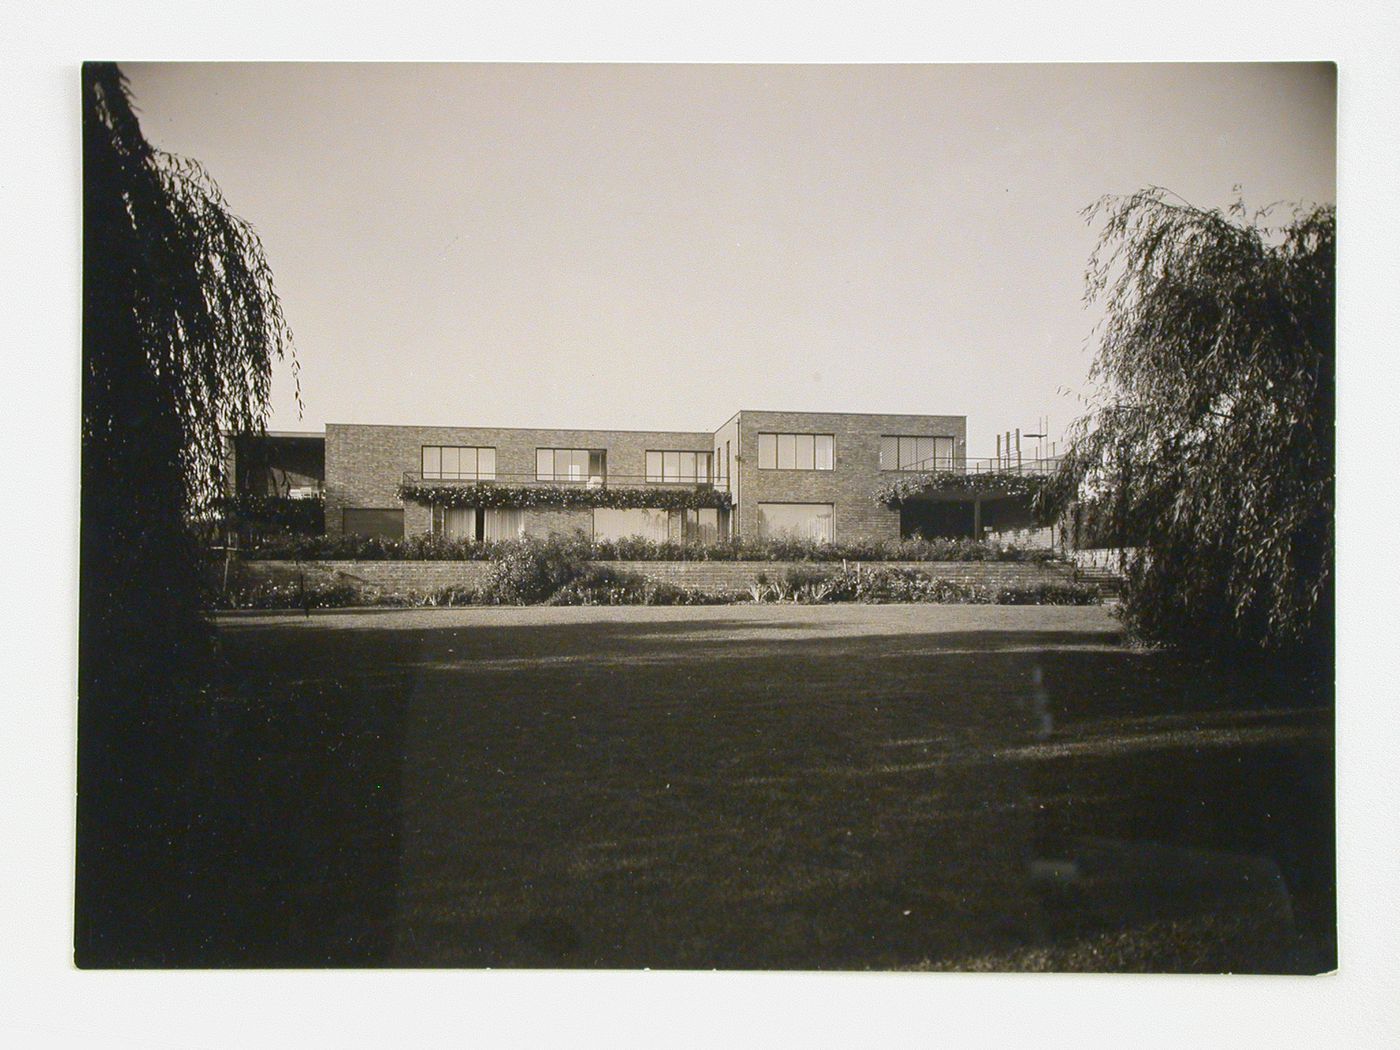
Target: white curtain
{"points": [[503, 523], [460, 523], [798, 521], [610, 523]]}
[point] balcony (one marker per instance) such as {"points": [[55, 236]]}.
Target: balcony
{"points": [[506, 479], [980, 465], [1011, 465]]}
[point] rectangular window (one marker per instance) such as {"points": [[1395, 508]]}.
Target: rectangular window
{"points": [[799, 521], [806, 451], [678, 466], [767, 451], [458, 463], [503, 523], [459, 523], [570, 464], [611, 523], [796, 451], [916, 453], [787, 451], [704, 526], [384, 523]]}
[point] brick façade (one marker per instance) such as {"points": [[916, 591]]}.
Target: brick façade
{"points": [[366, 463], [850, 486]]}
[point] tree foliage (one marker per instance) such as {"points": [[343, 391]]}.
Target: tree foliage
{"points": [[1209, 444], [180, 331], [181, 326]]}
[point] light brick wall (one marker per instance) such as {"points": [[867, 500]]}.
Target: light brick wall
{"points": [[855, 478], [383, 577], [365, 464]]}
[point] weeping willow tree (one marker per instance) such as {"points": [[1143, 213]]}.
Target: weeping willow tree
{"points": [[181, 327], [1209, 443]]}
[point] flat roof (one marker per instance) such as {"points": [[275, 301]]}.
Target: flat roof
{"points": [[487, 426], [308, 435]]}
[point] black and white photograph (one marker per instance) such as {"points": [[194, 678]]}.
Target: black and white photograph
{"points": [[758, 517], [870, 524]]}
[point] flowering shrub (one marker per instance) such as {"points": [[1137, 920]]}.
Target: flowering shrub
{"points": [[605, 586], [442, 548], [531, 580], [441, 598], [296, 596], [884, 585], [531, 571], [1049, 594]]}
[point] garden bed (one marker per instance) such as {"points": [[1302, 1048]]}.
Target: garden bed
{"points": [[542, 573]]}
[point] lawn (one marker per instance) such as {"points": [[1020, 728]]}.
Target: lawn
{"points": [[944, 787]]}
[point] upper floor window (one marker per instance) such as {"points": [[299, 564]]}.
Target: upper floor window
{"points": [[678, 466], [796, 451], [571, 464], [459, 462], [916, 453]]}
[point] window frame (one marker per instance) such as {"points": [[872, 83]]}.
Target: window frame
{"points": [[666, 466], [556, 478], [830, 517], [795, 450], [442, 474], [941, 463]]}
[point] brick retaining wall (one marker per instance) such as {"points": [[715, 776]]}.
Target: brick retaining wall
{"points": [[405, 577]]}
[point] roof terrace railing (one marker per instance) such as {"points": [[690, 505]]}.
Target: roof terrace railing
{"points": [[609, 480], [945, 464], [940, 464]]}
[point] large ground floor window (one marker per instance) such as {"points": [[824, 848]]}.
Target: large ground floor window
{"points": [[386, 523], [476, 523], [795, 521], [661, 526]]}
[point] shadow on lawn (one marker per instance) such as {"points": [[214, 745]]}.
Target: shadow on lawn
{"points": [[726, 792]]}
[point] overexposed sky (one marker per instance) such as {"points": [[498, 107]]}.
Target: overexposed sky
{"points": [[639, 247]]}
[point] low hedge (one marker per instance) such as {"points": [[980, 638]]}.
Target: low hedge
{"points": [[439, 548], [541, 577]]}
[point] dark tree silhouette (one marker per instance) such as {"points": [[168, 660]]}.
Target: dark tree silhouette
{"points": [[1210, 445], [181, 327]]}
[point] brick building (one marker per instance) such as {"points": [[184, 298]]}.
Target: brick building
{"points": [[761, 474]]}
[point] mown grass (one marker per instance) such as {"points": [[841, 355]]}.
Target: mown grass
{"points": [[756, 787]]}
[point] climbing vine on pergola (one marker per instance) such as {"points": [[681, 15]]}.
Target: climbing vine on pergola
{"points": [[527, 496]]}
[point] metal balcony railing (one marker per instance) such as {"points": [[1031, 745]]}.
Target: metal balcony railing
{"points": [[605, 481], [981, 465]]}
